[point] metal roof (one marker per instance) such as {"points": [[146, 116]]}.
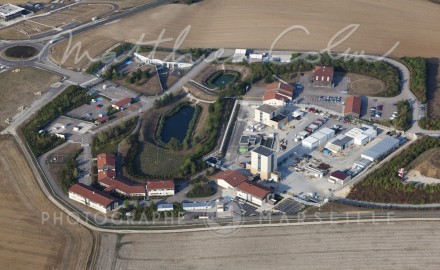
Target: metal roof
{"points": [[327, 131], [342, 140], [267, 108], [8, 10], [264, 151], [378, 150]]}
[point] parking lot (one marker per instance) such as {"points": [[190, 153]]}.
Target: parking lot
{"points": [[73, 129], [91, 111]]}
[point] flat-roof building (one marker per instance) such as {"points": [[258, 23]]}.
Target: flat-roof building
{"points": [[263, 161], [382, 149], [339, 143], [9, 11]]}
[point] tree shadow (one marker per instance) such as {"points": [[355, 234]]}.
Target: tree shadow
{"points": [[433, 88]]}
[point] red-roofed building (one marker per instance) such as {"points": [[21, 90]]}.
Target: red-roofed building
{"points": [[102, 120], [108, 180], [229, 179], [323, 76], [338, 177], [353, 106], [106, 162], [278, 94], [94, 198], [254, 193], [160, 187], [122, 104]]}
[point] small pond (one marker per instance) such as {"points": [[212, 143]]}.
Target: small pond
{"points": [[220, 79], [177, 125]]}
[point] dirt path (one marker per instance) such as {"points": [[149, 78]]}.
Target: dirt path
{"points": [[26, 242]]}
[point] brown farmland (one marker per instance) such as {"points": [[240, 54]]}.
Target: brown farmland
{"points": [[26, 243], [256, 24]]}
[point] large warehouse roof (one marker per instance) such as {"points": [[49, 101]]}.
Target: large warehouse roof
{"points": [[380, 149], [8, 10]]}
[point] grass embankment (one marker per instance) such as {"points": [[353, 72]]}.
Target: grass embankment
{"points": [[146, 159], [107, 141], [71, 98], [384, 185]]}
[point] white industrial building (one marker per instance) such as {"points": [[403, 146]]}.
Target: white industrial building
{"points": [[263, 161], [239, 55], [158, 62], [330, 133], [9, 11], [270, 116], [194, 206], [321, 137], [382, 149], [339, 143], [359, 138], [165, 207], [310, 142]]}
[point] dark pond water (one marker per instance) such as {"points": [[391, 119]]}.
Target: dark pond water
{"points": [[177, 125]]}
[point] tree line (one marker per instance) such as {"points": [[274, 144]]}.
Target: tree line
{"points": [[383, 185], [108, 140], [69, 175], [41, 142], [418, 68]]}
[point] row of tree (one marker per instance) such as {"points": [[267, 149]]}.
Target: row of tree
{"points": [[163, 101], [69, 175], [108, 140], [418, 66], [145, 213], [403, 121], [39, 140], [383, 185]]}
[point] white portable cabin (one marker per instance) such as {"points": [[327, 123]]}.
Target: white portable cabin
{"points": [[310, 142], [321, 137], [329, 132]]}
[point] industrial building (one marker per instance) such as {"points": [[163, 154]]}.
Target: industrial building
{"points": [[229, 179], [111, 183], [254, 193], [278, 94], [270, 116], [310, 142], [339, 143], [338, 177], [239, 55], [323, 76], [382, 149], [359, 138], [263, 162], [194, 206], [353, 106], [165, 207], [9, 12]]}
